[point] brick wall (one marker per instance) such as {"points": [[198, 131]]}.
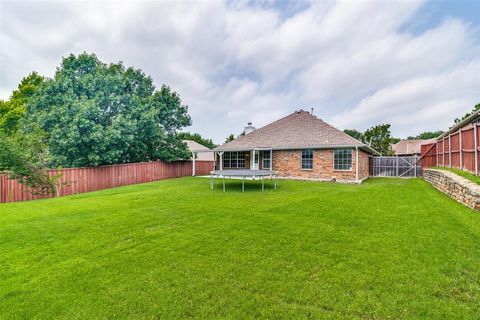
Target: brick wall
{"points": [[287, 163], [455, 186]]}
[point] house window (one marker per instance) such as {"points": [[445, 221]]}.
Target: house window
{"points": [[307, 159], [234, 159], [342, 159], [266, 159]]}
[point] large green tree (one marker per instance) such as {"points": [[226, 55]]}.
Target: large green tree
{"points": [[94, 114], [354, 134], [13, 110], [379, 138]]}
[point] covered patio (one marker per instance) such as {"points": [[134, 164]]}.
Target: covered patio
{"points": [[244, 164], [243, 159]]}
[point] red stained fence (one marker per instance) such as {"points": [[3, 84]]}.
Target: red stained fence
{"points": [[80, 180], [456, 150]]}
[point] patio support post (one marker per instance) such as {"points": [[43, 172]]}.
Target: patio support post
{"points": [[252, 159], [193, 164], [449, 150], [221, 160], [475, 147], [461, 148], [356, 164], [436, 150]]}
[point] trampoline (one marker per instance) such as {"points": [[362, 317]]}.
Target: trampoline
{"points": [[243, 174]]}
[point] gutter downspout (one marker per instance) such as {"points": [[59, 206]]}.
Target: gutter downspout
{"points": [[271, 160], [356, 164]]}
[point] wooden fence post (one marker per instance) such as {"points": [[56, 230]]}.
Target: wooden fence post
{"points": [[443, 152], [475, 144], [449, 150], [461, 147], [396, 167]]}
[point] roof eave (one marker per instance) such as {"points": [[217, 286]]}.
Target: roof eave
{"points": [[361, 146]]}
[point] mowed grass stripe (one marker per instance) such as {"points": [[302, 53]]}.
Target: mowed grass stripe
{"points": [[388, 248]]}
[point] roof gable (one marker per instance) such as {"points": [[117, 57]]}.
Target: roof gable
{"points": [[407, 146], [297, 130]]}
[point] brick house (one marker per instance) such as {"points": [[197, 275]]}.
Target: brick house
{"points": [[298, 146]]}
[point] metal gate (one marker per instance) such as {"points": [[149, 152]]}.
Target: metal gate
{"points": [[400, 167]]}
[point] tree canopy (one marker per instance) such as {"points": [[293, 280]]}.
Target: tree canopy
{"points": [[379, 138], [230, 137], [25, 157], [426, 135], [95, 114], [197, 138], [13, 110], [354, 134], [468, 114]]}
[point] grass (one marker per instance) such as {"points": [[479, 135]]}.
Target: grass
{"points": [[389, 248], [465, 174]]}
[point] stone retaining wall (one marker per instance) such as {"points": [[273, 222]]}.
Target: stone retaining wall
{"points": [[456, 187]]}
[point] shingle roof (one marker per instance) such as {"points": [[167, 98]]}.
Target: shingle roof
{"points": [[409, 146], [297, 130], [203, 153]]}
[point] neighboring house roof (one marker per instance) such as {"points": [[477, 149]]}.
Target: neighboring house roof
{"points": [[203, 153], [407, 146], [296, 131]]}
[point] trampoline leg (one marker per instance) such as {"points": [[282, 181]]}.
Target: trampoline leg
{"points": [[211, 182], [223, 184], [263, 185], [243, 184]]}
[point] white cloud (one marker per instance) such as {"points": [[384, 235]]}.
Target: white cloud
{"points": [[234, 62]]}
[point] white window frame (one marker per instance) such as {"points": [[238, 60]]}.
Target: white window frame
{"points": [[269, 158], [301, 159], [236, 156], [351, 160]]}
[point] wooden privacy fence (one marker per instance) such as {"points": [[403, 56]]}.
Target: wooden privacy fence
{"points": [[455, 150], [80, 180], [400, 167]]}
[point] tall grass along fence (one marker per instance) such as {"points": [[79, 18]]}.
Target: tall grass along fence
{"points": [[456, 150], [79, 180]]}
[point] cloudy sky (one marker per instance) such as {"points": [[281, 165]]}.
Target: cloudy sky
{"points": [[413, 64]]}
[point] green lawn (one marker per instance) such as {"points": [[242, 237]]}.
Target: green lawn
{"points": [[461, 173], [389, 248]]}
